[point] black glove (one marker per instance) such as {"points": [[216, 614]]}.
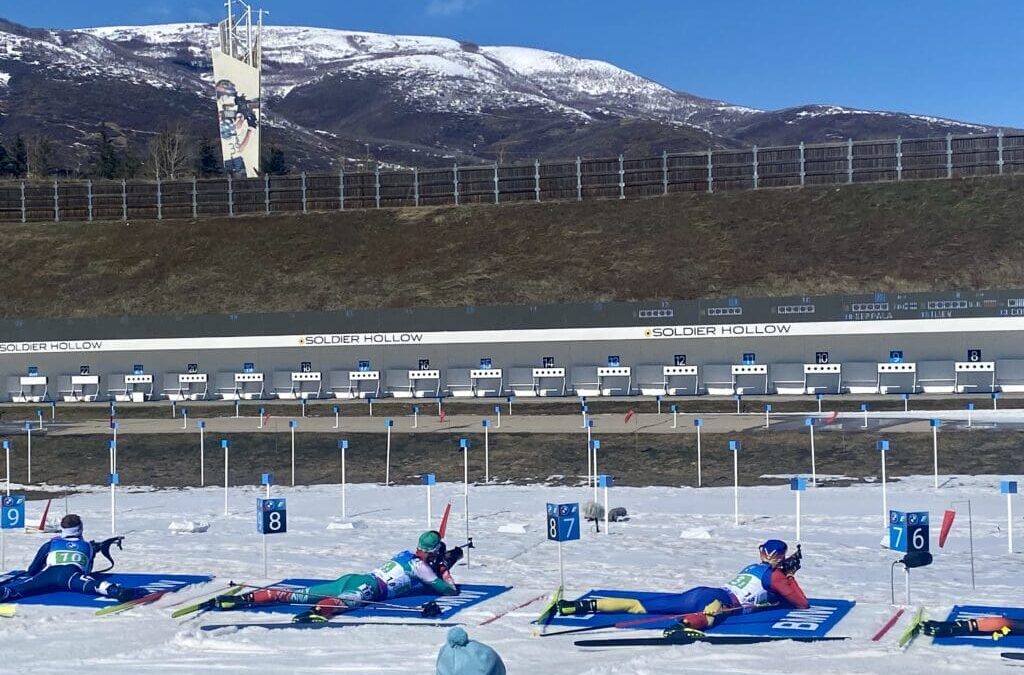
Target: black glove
{"points": [[453, 556], [791, 564]]}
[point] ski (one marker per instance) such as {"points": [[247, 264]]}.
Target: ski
{"points": [[887, 625], [124, 606], [205, 604], [548, 613], [913, 629], [686, 639], [326, 624], [7, 611], [1012, 656], [509, 611]]}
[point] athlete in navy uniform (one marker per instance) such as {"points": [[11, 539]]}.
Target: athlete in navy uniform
{"points": [[64, 564]]}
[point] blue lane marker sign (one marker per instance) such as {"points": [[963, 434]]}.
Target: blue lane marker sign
{"points": [[271, 516], [13, 514], [908, 532], [428, 479], [563, 522]]}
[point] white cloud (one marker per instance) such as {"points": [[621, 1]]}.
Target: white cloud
{"points": [[449, 7]]}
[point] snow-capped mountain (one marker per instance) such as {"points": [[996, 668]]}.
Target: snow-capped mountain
{"points": [[409, 100]]}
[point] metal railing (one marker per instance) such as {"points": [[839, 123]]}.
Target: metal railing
{"points": [[607, 178]]}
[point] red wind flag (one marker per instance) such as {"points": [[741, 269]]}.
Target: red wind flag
{"points": [[947, 524]]}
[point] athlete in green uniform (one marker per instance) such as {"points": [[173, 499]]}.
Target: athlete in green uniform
{"points": [[425, 570]]}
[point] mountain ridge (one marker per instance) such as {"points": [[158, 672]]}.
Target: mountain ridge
{"points": [[335, 96]]}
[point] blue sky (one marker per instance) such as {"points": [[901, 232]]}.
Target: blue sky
{"points": [[940, 57]]}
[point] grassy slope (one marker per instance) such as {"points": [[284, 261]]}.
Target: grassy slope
{"points": [[913, 236]]}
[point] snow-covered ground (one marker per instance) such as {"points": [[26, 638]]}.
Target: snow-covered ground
{"points": [[677, 537]]}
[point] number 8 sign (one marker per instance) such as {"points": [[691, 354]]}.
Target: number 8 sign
{"points": [[563, 522], [271, 516], [13, 515]]}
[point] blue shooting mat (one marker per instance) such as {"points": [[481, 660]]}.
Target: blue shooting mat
{"points": [[976, 611], [469, 595], [816, 621], [151, 582]]}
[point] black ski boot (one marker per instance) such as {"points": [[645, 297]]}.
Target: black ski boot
{"points": [[577, 607]]}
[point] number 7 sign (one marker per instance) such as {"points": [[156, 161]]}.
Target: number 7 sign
{"points": [[563, 522]]}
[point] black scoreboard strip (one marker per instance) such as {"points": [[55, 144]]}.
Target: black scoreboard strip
{"points": [[866, 307]]}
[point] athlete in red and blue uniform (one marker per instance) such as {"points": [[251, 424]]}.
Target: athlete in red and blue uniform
{"points": [[65, 564], [770, 583]]}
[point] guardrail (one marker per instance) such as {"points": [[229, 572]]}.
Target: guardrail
{"points": [[603, 178]]}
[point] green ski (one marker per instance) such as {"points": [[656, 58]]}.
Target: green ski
{"points": [[548, 613], [913, 629], [205, 604]]}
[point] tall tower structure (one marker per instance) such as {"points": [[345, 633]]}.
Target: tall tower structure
{"points": [[237, 81]]}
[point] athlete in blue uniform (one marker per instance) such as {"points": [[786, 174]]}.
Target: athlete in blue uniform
{"points": [[770, 582], [65, 564]]}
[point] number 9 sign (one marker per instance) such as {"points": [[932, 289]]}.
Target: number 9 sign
{"points": [[271, 516], [563, 522], [13, 514]]}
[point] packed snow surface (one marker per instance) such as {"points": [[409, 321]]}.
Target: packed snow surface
{"points": [[676, 538]]}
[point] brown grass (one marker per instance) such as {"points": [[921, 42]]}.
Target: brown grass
{"points": [[915, 236]]}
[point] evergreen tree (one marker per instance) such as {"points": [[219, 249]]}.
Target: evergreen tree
{"points": [[274, 163], [6, 162], [208, 160], [108, 161], [19, 161]]}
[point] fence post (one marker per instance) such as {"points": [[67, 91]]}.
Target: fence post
{"points": [[56, 203], [415, 186], [710, 176], [341, 187], [88, 197], [266, 193], [231, 196], [849, 160], [536, 179], [579, 180], [376, 185], [159, 200], [899, 158], [455, 174], [755, 168], [622, 178], [303, 179], [803, 166], [195, 199], [664, 172], [24, 211], [999, 145], [949, 155], [497, 194], [124, 200]]}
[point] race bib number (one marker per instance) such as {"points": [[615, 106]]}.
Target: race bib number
{"points": [[747, 588], [394, 575], [76, 558]]}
